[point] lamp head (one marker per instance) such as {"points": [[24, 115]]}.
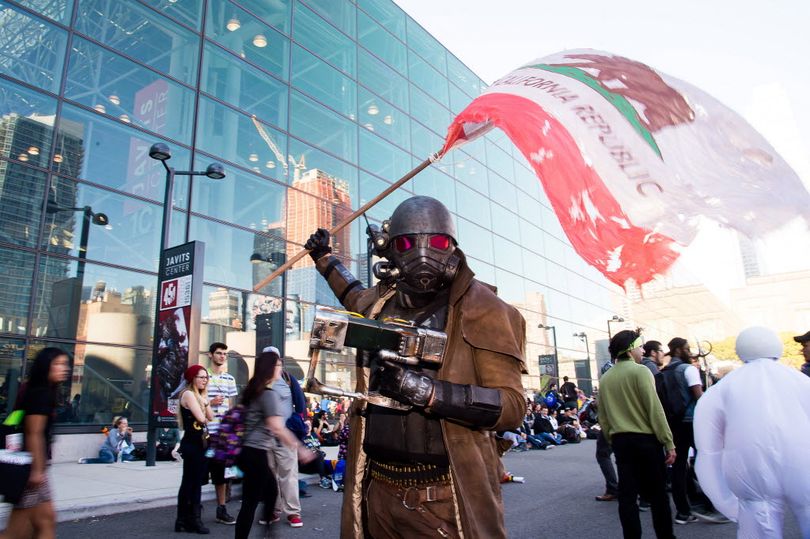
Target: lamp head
{"points": [[101, 219], [256, 258], [160, 151], [215, 171]]}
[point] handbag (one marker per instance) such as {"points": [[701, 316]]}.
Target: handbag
{"points": [[11, 431]]}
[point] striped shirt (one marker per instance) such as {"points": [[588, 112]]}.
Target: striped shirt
{"points": [[220, 385]]}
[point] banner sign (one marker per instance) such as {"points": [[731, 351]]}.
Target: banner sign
{"points": [[548, 363], [177, 322]]}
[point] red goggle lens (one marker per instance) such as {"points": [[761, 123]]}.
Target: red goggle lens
{"points": [[440, 242], [403, 243]]}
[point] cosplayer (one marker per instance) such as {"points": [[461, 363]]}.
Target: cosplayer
{"points": [[422, 457], [751, 433]]}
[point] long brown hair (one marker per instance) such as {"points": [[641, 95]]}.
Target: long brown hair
{"points": [[263, 372]]}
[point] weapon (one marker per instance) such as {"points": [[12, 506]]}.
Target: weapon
{"points": [[393, 340]]}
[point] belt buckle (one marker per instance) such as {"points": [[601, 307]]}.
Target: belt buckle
{"points": [[410, 498]]}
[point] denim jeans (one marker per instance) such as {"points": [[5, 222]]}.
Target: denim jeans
{"points": [[550, 437], [105, 456]]}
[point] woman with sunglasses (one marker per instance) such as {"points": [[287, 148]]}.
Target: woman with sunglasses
{"points": [[193, 415]]}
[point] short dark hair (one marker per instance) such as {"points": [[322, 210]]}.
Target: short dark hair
{"points": [[217, 346], [677, 342], [651, 346], [565, 378], [620, 342]]}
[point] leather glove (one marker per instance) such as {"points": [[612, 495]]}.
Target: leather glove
{"points": [[318, 244], [404, 385]]}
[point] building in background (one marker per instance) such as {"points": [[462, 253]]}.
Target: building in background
{"points": [[314, 108]]}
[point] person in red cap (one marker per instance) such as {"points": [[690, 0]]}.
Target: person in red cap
{"points": [[804, 340], [193, 416]]}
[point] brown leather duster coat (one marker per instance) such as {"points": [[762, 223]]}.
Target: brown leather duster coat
{"points": [[486, 339]]}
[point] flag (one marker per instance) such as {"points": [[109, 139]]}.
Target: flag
{"points": [[631, 158]]}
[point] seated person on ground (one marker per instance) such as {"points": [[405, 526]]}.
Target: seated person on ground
{"points": [[117, 445]]}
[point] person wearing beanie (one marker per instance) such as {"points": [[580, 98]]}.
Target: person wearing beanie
{"points": [[634, 424], [752, 455]]}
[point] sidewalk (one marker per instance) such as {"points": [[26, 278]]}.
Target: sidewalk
{"points": [[85, 490]]}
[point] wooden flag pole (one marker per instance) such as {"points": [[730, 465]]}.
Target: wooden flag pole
{"points": [[340, 226]]}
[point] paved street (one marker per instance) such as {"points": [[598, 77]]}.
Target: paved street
{"points": [[556, 501]]}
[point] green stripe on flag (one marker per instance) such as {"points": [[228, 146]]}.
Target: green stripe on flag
{"points": [[618, 101]]}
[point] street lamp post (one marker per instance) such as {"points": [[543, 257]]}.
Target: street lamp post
{"points": [[556, 358], [88, 217], [584, 337], [616, 318], [161, 152]]}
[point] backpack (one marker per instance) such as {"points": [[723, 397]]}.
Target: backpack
{"points": [[669, 384], [227, 442]]}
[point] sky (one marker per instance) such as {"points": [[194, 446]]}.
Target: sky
{"points": [[752, 56]]}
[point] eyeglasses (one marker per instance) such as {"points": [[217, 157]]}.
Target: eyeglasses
{"points": [[440, 242], [201, 377]]}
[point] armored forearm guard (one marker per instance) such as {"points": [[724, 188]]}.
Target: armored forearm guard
{"points": [[340, 279], [474, 406]]}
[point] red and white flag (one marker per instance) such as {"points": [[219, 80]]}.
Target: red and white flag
{"points": [[630, 158]]}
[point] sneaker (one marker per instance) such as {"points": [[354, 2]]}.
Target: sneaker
{"points": [[606, 497], [710, 516], [82, 461], [304, 494], [684, 519], [295, 521], [223, 517], [643, 506], [275, 518], [325, 482]]}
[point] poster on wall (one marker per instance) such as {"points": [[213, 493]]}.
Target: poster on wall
{"points": [[176, 326]]}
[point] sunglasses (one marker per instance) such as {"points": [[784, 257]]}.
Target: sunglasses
{"points": [[440, 242]]}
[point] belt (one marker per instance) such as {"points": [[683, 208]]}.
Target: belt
{"points": [[409, 475], [413, 497]]}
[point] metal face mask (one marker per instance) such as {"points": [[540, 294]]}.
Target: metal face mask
{"points": [[426, 261]]}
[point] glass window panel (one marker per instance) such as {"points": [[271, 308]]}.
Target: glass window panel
{"points": [[223, 315], [428, 111], [87, 302], [275, 13], [325, 40], [15, 294], [500, 162], [505, 223], [510, 286], [554, 249], [114, 85], [507, 254], [130, 238], [237, 138], [557, 277], [551, 223], [462, 76], [231, 266], [527, 181], [241, 198], [323, 128], [248, 37], [434, 183], [378, 116], [26, 122], [383, 80], [370, 187], [244, 86], [106, 382], [141, 34], [21, 192], [473, 206], [387, 14], [470, 172], [310, 162], [502, 192], [502, 141], [324, 83], [102, 151], [376, 39], [531, 236], [31, 49], [186, 11], [427, 46], [341, 14], [534, 267], [483, 272], [11, 362], [425, 142], [381, 158], [428, 79], [529, 209], [58, 10], [474, 240], [458, 99]]}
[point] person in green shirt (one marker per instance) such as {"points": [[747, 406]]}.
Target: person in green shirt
{"points": [[634, 424]]}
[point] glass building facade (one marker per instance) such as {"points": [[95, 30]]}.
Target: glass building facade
{"points": [[314, 107]]}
